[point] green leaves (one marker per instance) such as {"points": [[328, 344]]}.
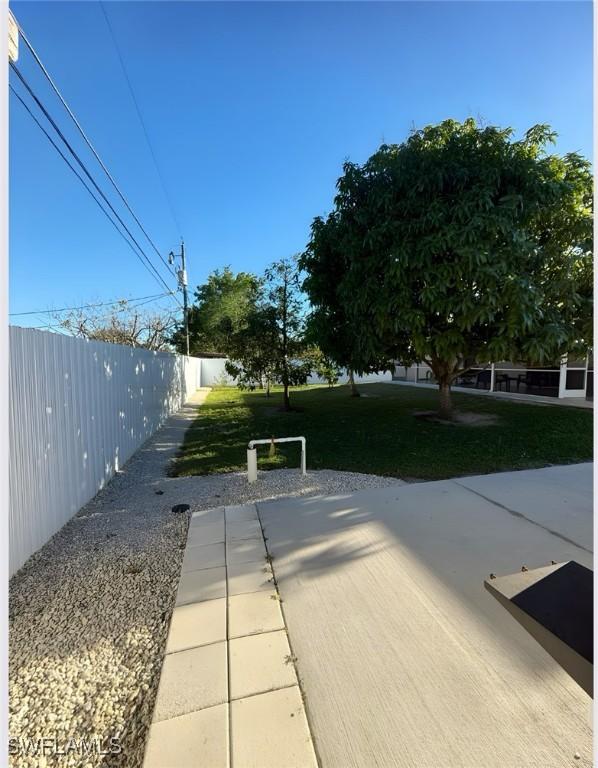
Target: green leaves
{"points": [[458, 243], [221, 307], [268, 348]]}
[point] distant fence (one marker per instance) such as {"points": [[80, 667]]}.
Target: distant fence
{"points": [[213, 372], [78, 410], [367, 378]]}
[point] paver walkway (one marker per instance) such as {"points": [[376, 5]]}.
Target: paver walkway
{"points": [[404, 657], [228, 693]]}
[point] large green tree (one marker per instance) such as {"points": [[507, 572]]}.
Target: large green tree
{"points": [[462, 245], [221, 308]]}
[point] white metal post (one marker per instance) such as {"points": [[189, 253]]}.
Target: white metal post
{"points": [[563, 377], [252, 464], [492, 377]]}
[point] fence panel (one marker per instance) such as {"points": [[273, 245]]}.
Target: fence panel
{"points": [[367, 378], [78, 410], [213, 372]]}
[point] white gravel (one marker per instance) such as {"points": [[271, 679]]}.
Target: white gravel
{"points": [[89, 612], [233, 488]]}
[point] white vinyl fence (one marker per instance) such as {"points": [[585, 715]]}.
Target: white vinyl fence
{"points": [[213, 372], [78, 410], [367, 378]]}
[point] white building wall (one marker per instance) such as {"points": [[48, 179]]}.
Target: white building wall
{"points": [[213, 372], [368, 378], [78, 410]]}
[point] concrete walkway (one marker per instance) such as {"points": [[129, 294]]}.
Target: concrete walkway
{"points": [[151, 461], [404, 658], [228, 691]]}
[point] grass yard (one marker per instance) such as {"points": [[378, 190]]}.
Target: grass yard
{"points": [[379, 434]]}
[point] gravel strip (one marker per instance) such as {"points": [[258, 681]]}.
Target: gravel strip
{"points": [[89, 613]]}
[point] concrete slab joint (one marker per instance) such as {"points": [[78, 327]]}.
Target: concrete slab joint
{"points": [[228, 693]]}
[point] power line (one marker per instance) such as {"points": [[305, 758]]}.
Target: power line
{"points": [[81, 179], [87, 173], [126, 307], [96, 200], [97, 318], [86, 306], [141, 120], [84, 168], [89, 144]]}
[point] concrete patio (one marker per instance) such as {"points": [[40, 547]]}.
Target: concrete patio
{"points": [[404, 658]]}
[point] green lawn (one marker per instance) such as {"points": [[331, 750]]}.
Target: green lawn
{"points": [[379, 434]]}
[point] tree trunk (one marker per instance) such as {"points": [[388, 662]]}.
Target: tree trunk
{"points": [[354, 390], [446, 405], [285, 398], [267, 387]]}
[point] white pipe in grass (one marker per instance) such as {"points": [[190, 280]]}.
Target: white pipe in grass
{"points": [[252, 454]]}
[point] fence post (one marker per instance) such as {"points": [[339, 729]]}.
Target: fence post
{"points": [[563, 377], [585, 375], [492, 377], [252, 464]]}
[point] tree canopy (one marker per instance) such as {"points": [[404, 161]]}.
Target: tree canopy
{"points": [[258, 323], [220, 310], [330, 326], [252, 350], [460, 245], [286, 303]]}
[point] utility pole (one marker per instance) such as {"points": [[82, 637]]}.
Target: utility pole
{"points": [[182, 279]]}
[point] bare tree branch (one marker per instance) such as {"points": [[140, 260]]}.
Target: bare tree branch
{"points": [[122, 325]]}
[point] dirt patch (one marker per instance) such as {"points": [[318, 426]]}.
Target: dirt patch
{"points": [[465, 418]]}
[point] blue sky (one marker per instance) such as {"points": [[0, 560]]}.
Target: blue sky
{"points": [[252, 109]]}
